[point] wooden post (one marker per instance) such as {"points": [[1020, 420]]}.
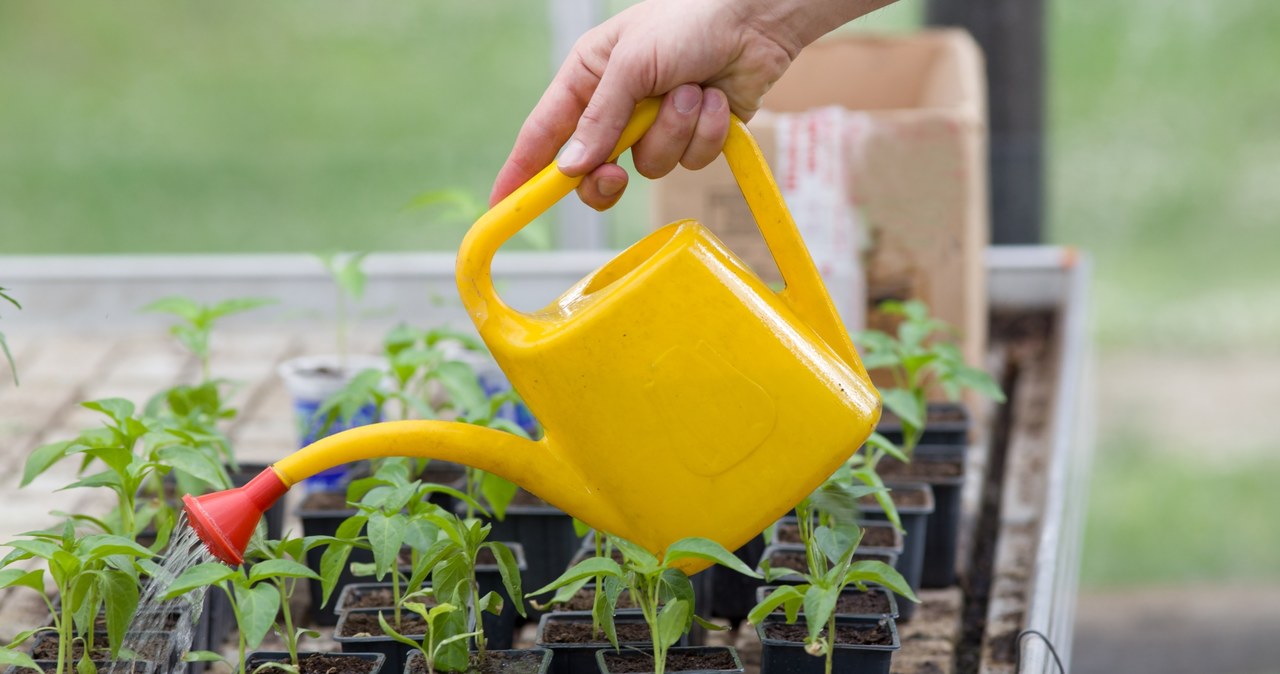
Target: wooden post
{"points": [[580, 226], [1012, 35]]}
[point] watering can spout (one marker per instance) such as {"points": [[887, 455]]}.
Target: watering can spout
{"points": [[225, 520]]}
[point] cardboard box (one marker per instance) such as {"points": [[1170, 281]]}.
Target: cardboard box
{"points": [[914, 142]]}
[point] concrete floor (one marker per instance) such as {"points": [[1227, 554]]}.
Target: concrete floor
{"points": [[1207, 629]]}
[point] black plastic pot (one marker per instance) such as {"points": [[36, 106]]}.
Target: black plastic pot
{"points": [[941, 427], [325, 522], [539, 659], [789, 657], [943, 468], [896, 547], [703, 591], [170, 657], [890, 597], [256, 658], [770, 554], [395, 652], [352, 592], [603, 655], [499, 630], [580, 658], [547, 536], [117, 667], [915, 524]]}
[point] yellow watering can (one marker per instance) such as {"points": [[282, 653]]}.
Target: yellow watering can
{"points": [[679, 395]]}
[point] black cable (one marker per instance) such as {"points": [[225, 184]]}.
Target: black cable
{"points": [[1017, 667]]}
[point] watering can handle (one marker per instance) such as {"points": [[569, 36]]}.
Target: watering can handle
{"points": [[804, 291]]}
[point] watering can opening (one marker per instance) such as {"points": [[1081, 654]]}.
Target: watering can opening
{"points": [[680, 395]]}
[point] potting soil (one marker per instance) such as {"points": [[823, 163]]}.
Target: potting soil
{"points": [[366, 624], [624, 662], [495, 662], [583, 633], [860, 635], [856, 603], [330, 663]]}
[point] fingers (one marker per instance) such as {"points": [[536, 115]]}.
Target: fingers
{"points": [[690, 130], [602, 188], [661, 148], [709, 136], [604, 118]]}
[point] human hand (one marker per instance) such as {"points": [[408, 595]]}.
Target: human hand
{"points": [[706, 57]]}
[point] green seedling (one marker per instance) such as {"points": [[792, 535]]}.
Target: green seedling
{"points": [[418, 362], [135, 451], [89, 573], [194, 413], [918, 357], [196, 321], [349, 278], [460, 542], [441, 634], [4, 343], [660, 589], [829, 552], [258, 594], [393, 511]]}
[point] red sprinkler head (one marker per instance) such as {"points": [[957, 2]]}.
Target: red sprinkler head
{"points": [[225, 520]]}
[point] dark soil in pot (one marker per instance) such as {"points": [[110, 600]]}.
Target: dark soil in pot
{"points": [[678, 660], [876, 601], [787, 557], [874, 535], [366, 624], [920, 468], [569, 636], [374, 595], [321, 663], [946, 423], [585, 599], [116, 667], [495, 662], [155, 649], [582, 633]]}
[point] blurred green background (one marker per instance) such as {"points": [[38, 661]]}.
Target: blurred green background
{"points": [[274, 126]]}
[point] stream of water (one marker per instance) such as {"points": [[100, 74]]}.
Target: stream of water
{"points": [[163, 629]]}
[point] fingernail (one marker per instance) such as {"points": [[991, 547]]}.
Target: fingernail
{"points": [[713, 102], [686, 98], [609, 186], [572, 154]]}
